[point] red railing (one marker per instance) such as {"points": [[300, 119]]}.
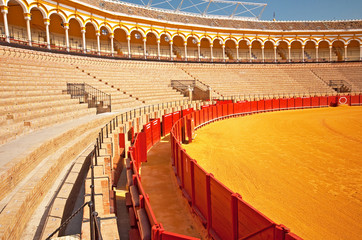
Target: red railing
{"points": [[224, 213]]}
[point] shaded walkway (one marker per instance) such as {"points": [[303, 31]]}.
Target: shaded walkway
{"points": [[170, 207]]}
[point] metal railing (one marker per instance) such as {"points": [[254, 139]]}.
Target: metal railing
{"points": [[95, 231], [183, 85], [90, 95]]}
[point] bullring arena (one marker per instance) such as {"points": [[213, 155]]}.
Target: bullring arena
{"points": [[126, 121]]}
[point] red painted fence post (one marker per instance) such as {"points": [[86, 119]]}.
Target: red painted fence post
{"points": [[234, 212], [208, 199]]}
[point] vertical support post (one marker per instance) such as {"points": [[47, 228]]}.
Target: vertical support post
{"points": [[330, 53], [47, 23], [4, 10], [316, 53], [198, 51], [211, 53], [237, 53], [111, 36], [66, 28], [302, 53], [129, 45], [144, 48], [171, 50], [262, 52], [83, 39], [223, 52], [208, 200], [289, 54], [345, 52], [250, 52], [185, 46], [158, 49], [275, 53], [234, 213], [98, 34], [27, 17]]}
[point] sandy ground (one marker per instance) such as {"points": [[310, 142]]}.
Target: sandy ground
{"points": [[300, 168], [170, 207]]}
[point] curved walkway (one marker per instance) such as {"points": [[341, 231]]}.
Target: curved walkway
{"points": [[159, 182]]}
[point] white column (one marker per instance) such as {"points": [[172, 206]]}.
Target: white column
{"points": [[303, 53], [360, 52], [185, 45], [129, 45], [83, 38], [330, 53], [111, 36], [211, 53], [4, 10], [158, 49], [66, 27], [275, 53], [237, 53], [345, 53], [262, 53], [198, 51], [98, 34], [316, 53], [250, 53], [27, 17], [144, 48], [171, 51], [223, 52], [47, 23], [289, 57]]}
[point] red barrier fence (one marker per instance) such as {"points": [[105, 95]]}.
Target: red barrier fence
{"points": [[224, 213]]}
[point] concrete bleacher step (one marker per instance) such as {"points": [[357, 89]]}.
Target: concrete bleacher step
{"points": [[26, 178]]}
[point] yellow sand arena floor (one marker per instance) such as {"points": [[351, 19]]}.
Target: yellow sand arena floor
{"points": [[300, 168]]}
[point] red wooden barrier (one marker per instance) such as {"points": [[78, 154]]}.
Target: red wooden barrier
{"points": [[147, 129], [307, 102], [230, 108], [205, 109], [222, 221], [214, 112], [122, 141], [197, 118], [187, 111], [200, 197], [283, 103], [187, 183], [156, 131], [298, 102], [166, 124], [344, 100], [142, 147], [276, 104], [261, 105], [355, 100], [268, 104], [254, 106], [174, 236], [175, 117], [332, 101], [323, 101], [291, 103], [224, 109], [315, 101], [202, 116], [219, 110]]}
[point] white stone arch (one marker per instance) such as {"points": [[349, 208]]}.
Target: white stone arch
{"points": [[60, 14], [219, 38], [325, 40], [296, 40], [180, 35], [282, 40], [152, 32], [206, 37], [310, 40], [269, 40], [193, 36], [338, 39], [232, 39], [244, 39], [121, 27], [21, 3], [140, 30], [258, 40], [109, 28], [79, 20], [353, 39], [40, 8]]}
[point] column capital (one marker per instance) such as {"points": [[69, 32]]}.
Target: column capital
{"points": [[144, 39], [316, 46], [211, 45], [128, 37], [223, 45], [199, 44], [4, 9], [237, 46], [46, 21], [171, 42], [158, 40], [27, 16], [111, 35], [66, 25], [330, 46], [98, 33]]}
